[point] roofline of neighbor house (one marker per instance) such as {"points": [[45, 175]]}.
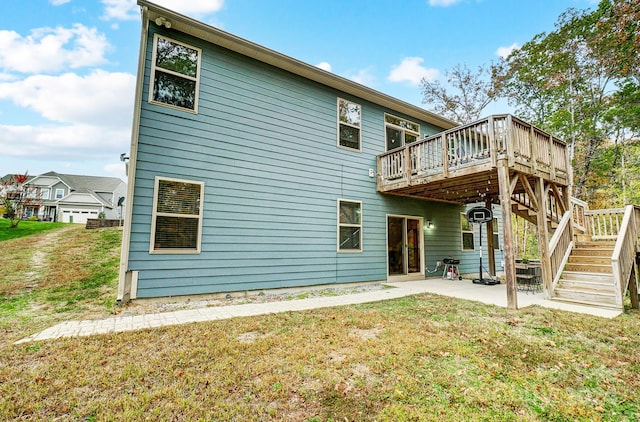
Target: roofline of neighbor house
{"points": [[247, 48]]}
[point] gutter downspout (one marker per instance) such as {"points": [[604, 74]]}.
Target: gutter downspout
{"points": [[124, 283]]}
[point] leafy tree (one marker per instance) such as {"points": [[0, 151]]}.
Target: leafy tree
{"points": [[468, 94], [579, 82], [18, 195]]}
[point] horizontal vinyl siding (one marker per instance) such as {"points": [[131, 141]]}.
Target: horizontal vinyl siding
{"points": [[264, 144]]}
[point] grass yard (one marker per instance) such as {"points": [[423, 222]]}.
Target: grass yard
{"points": [[412, 359], [25, 228]]}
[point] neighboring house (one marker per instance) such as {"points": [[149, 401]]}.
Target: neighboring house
{"points": [[72, 198], [252, 170]]}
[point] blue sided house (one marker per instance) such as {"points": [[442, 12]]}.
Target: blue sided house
{"points": [[250, 170]]}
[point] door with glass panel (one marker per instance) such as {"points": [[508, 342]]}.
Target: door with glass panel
{"points": [[404, 246]]}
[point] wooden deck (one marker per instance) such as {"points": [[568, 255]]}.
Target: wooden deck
{"points": [[460, 165]]}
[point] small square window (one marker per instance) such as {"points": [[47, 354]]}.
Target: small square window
{"points": [[349, 124]]}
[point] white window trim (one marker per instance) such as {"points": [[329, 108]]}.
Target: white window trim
{"points": [[155, 214], [462, 232], [400, 128], [359, 149], [61, 194], [152, 75], [339, 225]]}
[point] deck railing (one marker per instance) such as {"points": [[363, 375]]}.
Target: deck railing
{"points": [[484, 141]]}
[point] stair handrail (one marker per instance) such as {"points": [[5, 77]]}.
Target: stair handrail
{"points": [[560, 247], [624, 253]]}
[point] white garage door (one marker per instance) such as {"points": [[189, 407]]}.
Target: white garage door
{"points": [[78, 216]]}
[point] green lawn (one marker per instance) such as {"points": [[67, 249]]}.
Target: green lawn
{"points": [[24, 228], [419, 358]]}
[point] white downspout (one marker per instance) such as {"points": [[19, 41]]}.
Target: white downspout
{"points": [[125, 292]]}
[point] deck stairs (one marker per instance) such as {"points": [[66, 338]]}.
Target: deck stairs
{"points": [[587, 277]]}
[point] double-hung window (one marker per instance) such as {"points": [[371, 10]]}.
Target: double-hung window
{"points": [[466, 229], [400, 132], [349, 124], [59, 193], [175, 74], [177, 216], [349, 226]]}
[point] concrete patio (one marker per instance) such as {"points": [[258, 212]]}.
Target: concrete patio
{"points": [[497, 295]]}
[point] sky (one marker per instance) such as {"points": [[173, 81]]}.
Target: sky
{"points": [[67, 67]]}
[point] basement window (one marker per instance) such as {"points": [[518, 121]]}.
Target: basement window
{"points": [[177, 216], [175, 74]]}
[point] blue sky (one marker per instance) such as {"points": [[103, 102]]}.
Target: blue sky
{"points": [[67, 67]]}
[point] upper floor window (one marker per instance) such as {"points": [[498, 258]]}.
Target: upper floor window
{"points": [[45, 194], [59, 193], [175, 74], [349, 124], [466, 229], [349, 226], [399, 131], [177, 216]]}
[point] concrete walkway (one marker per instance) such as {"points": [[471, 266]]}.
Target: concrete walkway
{"points": [[494, 295]]}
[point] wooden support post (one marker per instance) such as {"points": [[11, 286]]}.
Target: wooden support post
{"points": [[543, 237], [491, 251], [509, 258]]}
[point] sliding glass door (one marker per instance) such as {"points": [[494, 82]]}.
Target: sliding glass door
{"points": [[404, 246]]}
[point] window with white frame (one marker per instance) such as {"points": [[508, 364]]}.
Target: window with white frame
{"points": [[349, 124], [466, 228], [349, 226], [496, 236], [399, 132], [175, 74], [45, 194], [177, 216], [59, 193]]}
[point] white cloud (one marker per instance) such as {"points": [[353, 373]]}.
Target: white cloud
{"points": [[504, 52], [58, 2], [99, 98], [443, 3], [363, 76], [411, 70], [128, 9], [55, 142], [324, 66], [90, 116], [52, 49]]}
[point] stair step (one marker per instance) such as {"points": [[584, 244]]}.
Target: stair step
{"points": [[589, 268], [587, 277], [586, 297], [603, 244], [592, 252], [595, 259], [587, 303], [586, 286]]}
